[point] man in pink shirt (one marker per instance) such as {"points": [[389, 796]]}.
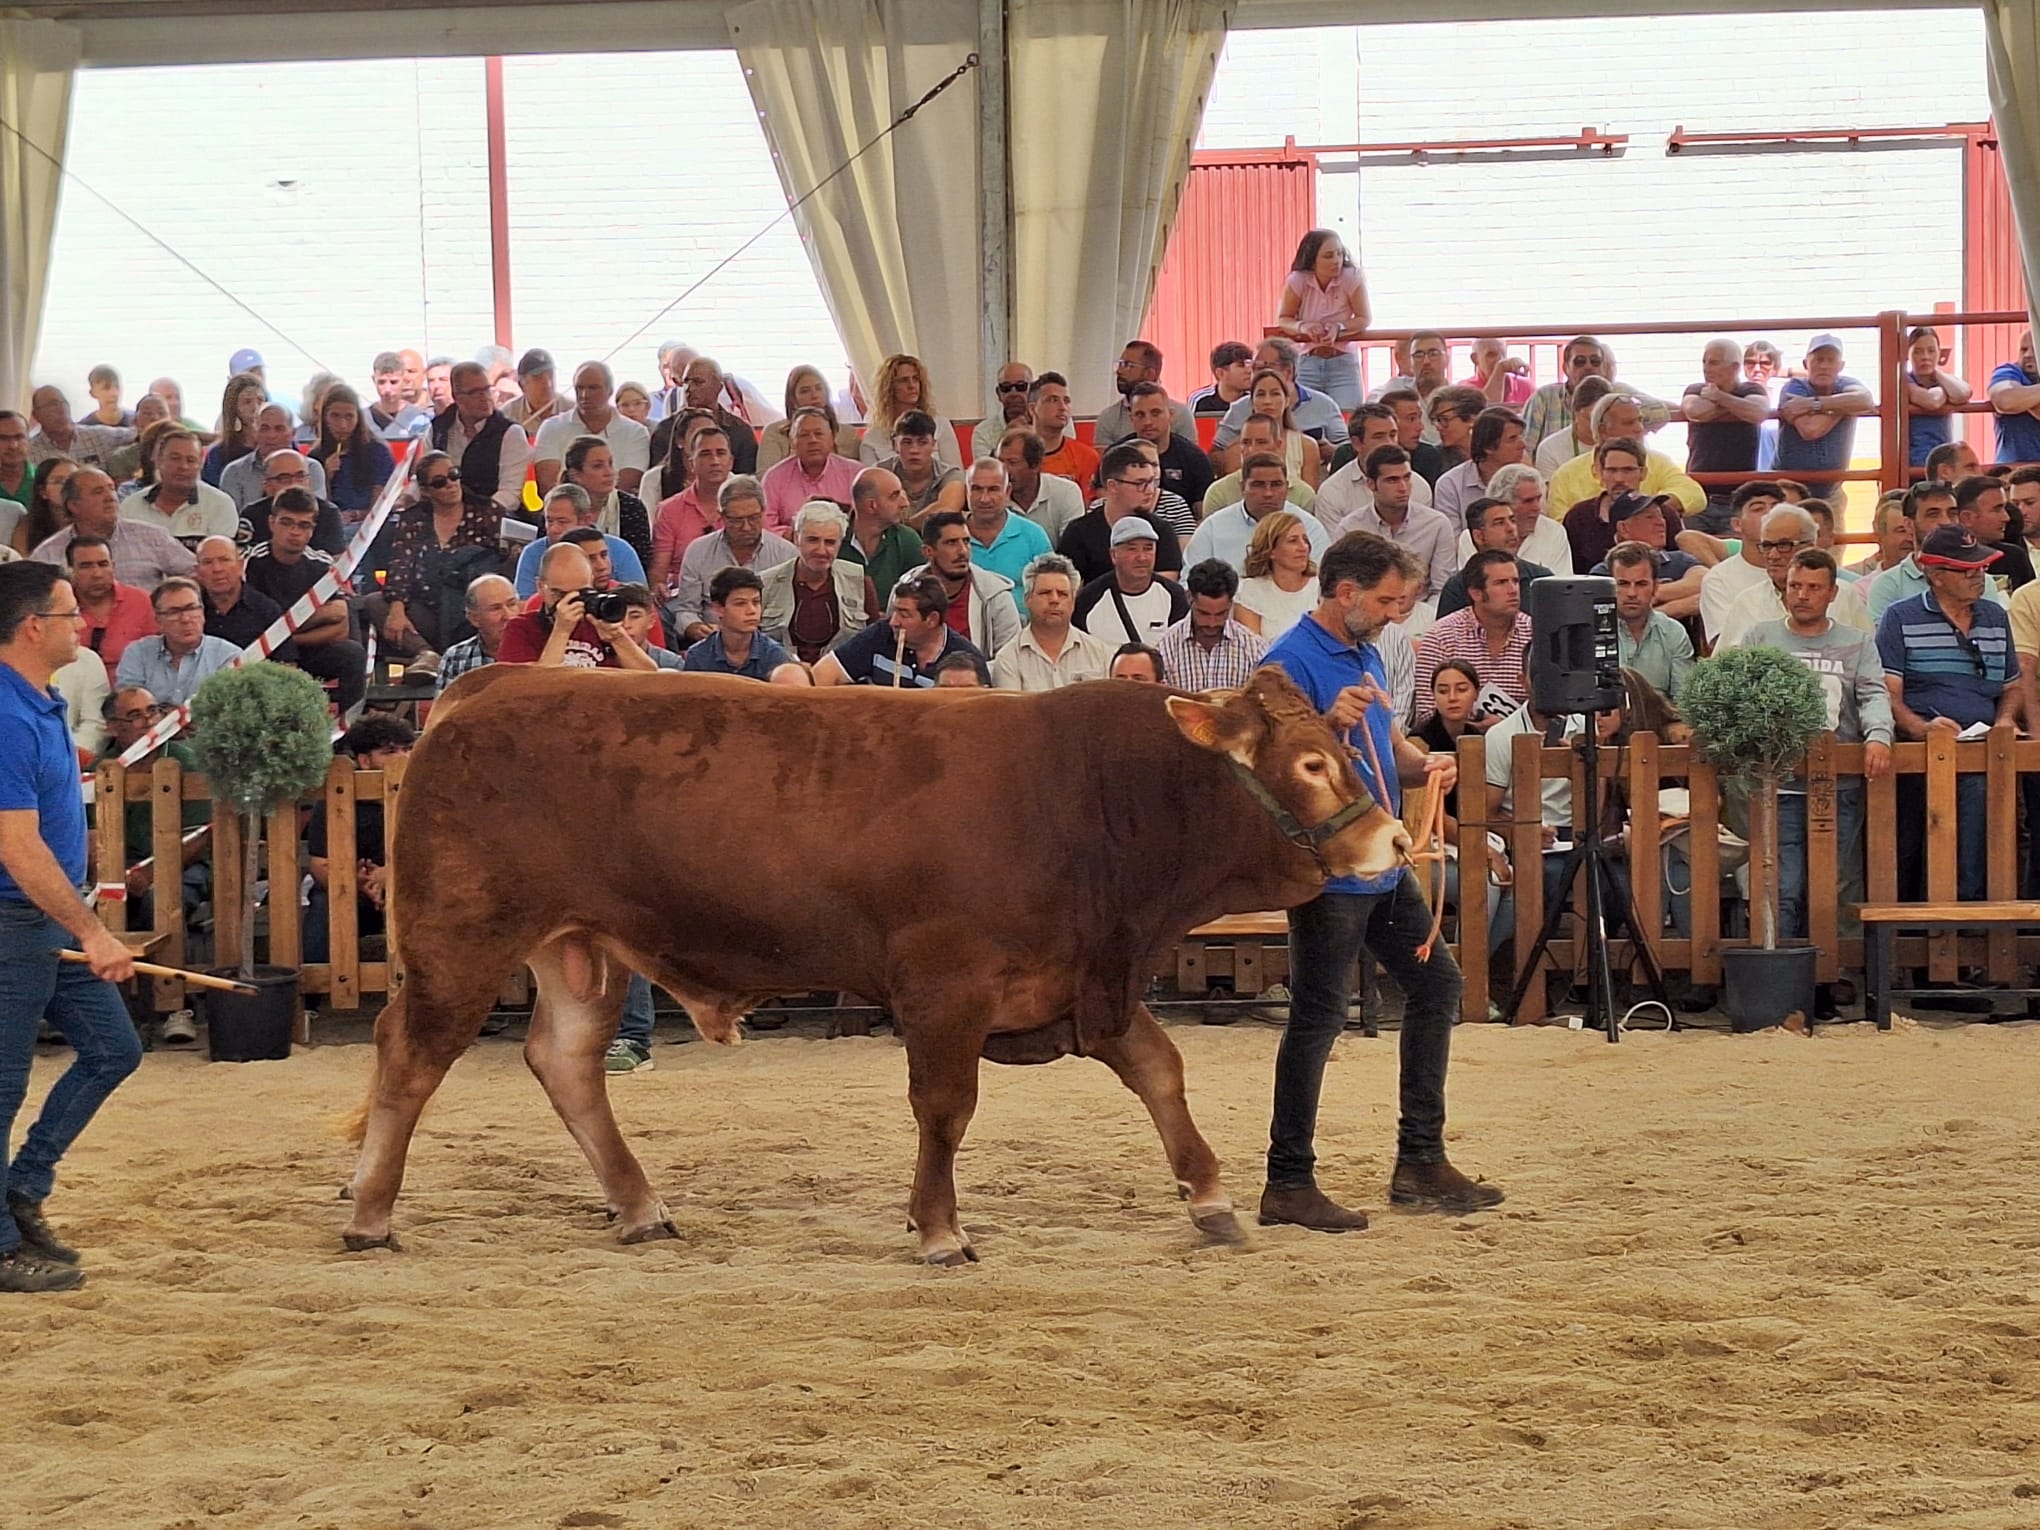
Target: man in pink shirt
{"points": [[1505, 379], [695, 510], [813, 471]]}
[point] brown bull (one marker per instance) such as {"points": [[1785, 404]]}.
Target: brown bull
{"points": [[1065, 842]]}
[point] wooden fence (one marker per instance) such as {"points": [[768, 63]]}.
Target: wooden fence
{"points": [[1643, 766]]}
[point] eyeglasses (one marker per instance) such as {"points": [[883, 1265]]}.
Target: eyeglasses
{"points": [[1791, 544], [160, 611], [1138, 485], [144, 714], [72, 615]]}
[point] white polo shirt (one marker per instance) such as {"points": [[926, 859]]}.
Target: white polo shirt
{"points": [[629, 442]]}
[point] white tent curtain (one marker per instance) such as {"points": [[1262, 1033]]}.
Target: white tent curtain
{"points": [[893, 240], [1105, 100], [37, 59], [2012, 44]]}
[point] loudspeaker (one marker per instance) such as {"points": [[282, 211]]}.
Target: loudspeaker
{"points": [[1575, 660]]}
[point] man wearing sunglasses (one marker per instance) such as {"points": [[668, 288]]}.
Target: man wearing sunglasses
{"points": [[1010, 389]]}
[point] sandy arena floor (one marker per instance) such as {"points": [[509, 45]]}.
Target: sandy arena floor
{"points": [[1739, 1282]]}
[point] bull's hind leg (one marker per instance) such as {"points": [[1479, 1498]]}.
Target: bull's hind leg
{"points": [[942, 1082], [580, 1000], [1148, 1063]]}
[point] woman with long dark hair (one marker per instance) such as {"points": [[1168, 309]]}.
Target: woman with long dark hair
{"points": [[46, 516], [668, 476], [356, 460], [240, 404], [1325, 310]]}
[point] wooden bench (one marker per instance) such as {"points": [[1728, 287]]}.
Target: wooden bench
{"points": [[1881, 922], [1234, 946]]}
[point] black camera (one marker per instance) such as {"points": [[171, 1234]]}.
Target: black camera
{"points": [[603, 605]]}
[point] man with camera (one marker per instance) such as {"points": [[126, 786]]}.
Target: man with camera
{"points": [[575, 626]]}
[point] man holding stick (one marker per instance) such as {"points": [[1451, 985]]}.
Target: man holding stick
{"points": [[43, 866]]}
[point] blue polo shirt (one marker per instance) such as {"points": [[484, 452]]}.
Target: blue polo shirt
{"points": [[707, 657], [1322, 666], [39, 774], [1831, 451], [2018, 435], [1018, 544], [1944, 671]]}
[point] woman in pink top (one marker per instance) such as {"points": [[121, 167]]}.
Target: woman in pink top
{"points": [[1324, 309]]}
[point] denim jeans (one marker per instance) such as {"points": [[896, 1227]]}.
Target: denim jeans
{"points": [[92, 1017], [316, 941], [1792, 856], [1972, 837], [1327, 937], [1337, 375], [1614, 894], [637, 1013]]}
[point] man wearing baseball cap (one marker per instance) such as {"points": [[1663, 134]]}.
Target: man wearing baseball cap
{"points": [[1650, 519], [1949, 665], [1130, 605], [538, 398], [1816, 416]]}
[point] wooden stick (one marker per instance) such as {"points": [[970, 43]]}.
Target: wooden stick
{"points": [[156, 969], [899, 657]]}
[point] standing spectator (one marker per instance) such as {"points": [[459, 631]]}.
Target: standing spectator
{"points": [[1139, 365], [981, 604], [1063, 454], [1280, 587], [393, 415], [103, 384], [1725, 418], [1227, 534], [590, 463], [244, 480], [1049, 653], [903, 388], [413, 363], [1952, 462], [567, 507], [1207, 649], [815, 470], [1649, 641], [1550, 407], [1502, 379], [1429, 368], [57, 435], [806, 388], [879, 537], [695, 510], [1816, 416], [1001, 541], [491, 604], [595, 414], [1948, 665], [356, 460], [439, 384], [1496, 443], [114, 614], [1048, 501], [931, 483], [142, 555], [736, 599], [1492, 525], [1561, 446], [1324, 309], [740, 542], [1417, 529], [1980, 506], [1232, 373], [2015, 395], [538, 394], [1316, 414], [1129, 604], [491, 453], [1186, 471], [241, 407], [1262, 437], [1932, 395], [1492, 635], [905, 649], [1132, 484], [1619, 417], [1009, 396], [171, 664], [288, 469], [815, 602], [181, 503]]}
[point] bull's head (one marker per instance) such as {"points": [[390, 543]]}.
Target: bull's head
{"points": [[1291, 762]]}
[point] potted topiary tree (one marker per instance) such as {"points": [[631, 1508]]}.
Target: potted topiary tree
{"points": [[262, 736], [1755, 712]]}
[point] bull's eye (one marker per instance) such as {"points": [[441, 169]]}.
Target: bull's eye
{"points": [[1315, 765]]}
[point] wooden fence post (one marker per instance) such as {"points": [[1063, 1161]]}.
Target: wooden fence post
{"points": [[1473, 877], [342, 886]]}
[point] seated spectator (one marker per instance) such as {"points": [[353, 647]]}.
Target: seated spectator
{"points": [[1273, 394], [439, 384], [1063, 455], [114, 614], [437, 548], [1425, 367], [1953, 462], [1649, 641], [1503, 379], [126, 463], [981, 605], [103, 384], [283, 570], [1048, 501], [1496, 443], [2015, 395], [902, 388], [130, 713], [1929, 506], [246, 480], [962, 672], [1492, 525], [58, 435], [1418, 529], [1414, 432], [1492, 635], [492, 603], [905, 649], [795, 674], [1452, 412], [1932, 394], [1139, 367], [1049, 653], [393, 415], [560, 634], [695, 510], [1817, 415], [1186, 471], [1132, 484], [1232, 373], [538, 395], [566, 507], [640, 621], [180, 504], [813, 471], [1128, 604], [1649, 521], [499, 363], [595, 414], [1002, 541], [1554, 811], [1137, 662], [1206, 649], [288, 469], [1324, 309], [2023, 484], [1851, 676], [806, 388], [45, 515], [1226, 534], [142, 555], [591, 464], [634, 402], [1171, 514], [376, 743], [170, 665], [1723, 584], [1561, 446], [1787, 531], [705, 387], [1948, 665], [1618, 478], [1280, 586], [1980, 506], [1316, 414], [879, 537], [1262, 437], [356, 460], [740, 542], [491, 451], [1618, 417], [1824, 525], [931, 484], [232, 610], [672, 450], [736, 600], [84, 688], [819, 599], [1725, 418], [1894, 534]]}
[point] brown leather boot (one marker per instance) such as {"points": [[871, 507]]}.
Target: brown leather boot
{"points": [[1440, 1187], [1308, 1206]]}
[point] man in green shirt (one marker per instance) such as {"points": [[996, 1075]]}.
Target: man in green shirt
{"points": [[879, 538], [17, 473]]}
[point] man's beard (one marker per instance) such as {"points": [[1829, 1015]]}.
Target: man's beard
{"points": [[1364, 629]]}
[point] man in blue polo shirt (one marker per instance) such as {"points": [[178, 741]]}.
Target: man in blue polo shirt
{"points": [[1949, 665], [1330, 654], [42, 868], [2015, 395]]}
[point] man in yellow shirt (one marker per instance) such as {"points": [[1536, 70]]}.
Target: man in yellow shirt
{"points": [[1619, 415]]}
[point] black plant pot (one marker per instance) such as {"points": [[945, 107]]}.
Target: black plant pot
{"points": [[1760, 988], [255, 1027]]}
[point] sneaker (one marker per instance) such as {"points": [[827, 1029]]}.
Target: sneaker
{"points": [[1272, 1004], [36, 1236], [627, 1057], [180, 1028], [23, 1272]]}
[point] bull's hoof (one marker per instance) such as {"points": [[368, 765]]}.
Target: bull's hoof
{"points": [[951, 1258], [1218, 1224], [651, 1232], [361, 1243]]}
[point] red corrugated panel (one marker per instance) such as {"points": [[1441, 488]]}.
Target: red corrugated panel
{"points": [[1242, 213], [1993, 276]]}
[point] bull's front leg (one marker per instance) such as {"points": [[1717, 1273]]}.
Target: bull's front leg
{"points": [[1148, 1063], [942, 1070]]}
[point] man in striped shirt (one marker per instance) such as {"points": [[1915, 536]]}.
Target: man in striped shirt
{"points": [[1208, 650], [1492, 635]]}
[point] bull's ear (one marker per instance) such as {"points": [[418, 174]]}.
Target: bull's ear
{"points": [[1221, 727]]}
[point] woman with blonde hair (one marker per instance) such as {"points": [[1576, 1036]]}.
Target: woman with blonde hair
{"points": [[903, 386], [1275, 396], [806, 388], [1281, 586]]}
